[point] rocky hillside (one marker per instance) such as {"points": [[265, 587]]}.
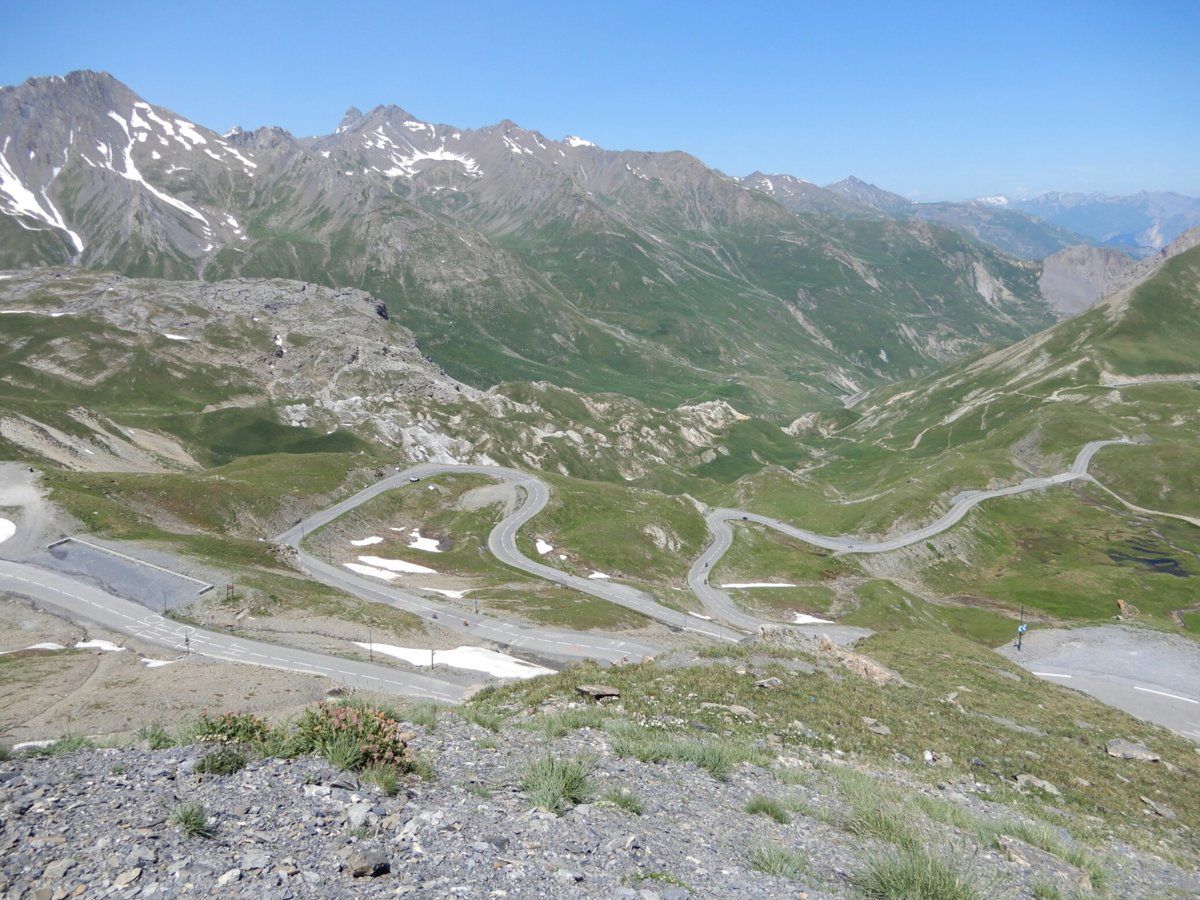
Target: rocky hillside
{"points": [[512, 256], [549, 791]]}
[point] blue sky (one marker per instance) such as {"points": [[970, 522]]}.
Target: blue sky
{"points": [[934, 100]]}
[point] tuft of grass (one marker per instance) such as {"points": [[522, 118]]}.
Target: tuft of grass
{"points": [[5, 753], [556, 784], [486, 743], [384, 777], [558, 724], [1046, 890], [422, 766], [716, 759], [775, 860], [484, 718], [625, 799], [770, 807], [659, 878], [116, 769], [156, 736], [915, 875], [790, 776], [68, 743], [280, 742], [873, 810], [192, 820], [342, 751], [225, 760], [423, 714], [480, 790]]}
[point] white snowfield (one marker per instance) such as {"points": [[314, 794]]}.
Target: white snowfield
{"points": [[396, 565], [102, 646], [598, 576], [7, 530], [156, 663], [453, 595], [366, 542], [478, 659], [175, 337], [97, 644], [381, 574], [542, 547], [806, 619], [757, 584], [416, 542]]}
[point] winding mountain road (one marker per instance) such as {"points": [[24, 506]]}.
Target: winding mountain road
{"points": [[502, 541], [83, 601]]}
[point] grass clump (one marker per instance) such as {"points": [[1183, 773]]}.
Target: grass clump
{"points": [[915, 875], [873, 810], [423, 714], [192, 820], [225, 760], [1046, 890], [624, 799], [68, 743], [156, 736], [230, 728], [559, 723], [557, 784], [484, 718], [777, 861], [383, 777], [5, 753], [716, 759], [769, 807]]}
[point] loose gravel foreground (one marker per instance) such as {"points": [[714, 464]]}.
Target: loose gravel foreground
{"points": [[97, 823]]}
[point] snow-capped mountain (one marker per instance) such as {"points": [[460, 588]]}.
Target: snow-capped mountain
{"points": [[512, 255]]}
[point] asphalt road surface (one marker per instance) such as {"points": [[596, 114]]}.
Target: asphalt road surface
{"points": [[503, 544], [1151, 675], [82, 601]]}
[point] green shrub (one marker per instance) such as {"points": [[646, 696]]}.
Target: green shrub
{"points": [[156, 736], [192, 820], [353, 736], [770, 807], [777, 861], [230, 728], [556, 784], [915, 875], [225, 760]]}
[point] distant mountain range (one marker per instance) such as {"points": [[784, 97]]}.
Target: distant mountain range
{"points": [[1138, 224], [510, 255], [1013, 231]]}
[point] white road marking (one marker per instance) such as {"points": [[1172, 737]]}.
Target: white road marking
{"points": [[1165, 694]]}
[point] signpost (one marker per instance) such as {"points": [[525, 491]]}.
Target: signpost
{"points": [[1022, 628]]}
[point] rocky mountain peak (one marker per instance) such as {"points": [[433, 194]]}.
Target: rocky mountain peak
{"points": [[351, 119]]}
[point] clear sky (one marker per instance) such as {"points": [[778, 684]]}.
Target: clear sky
{"points": [[934, 100]]}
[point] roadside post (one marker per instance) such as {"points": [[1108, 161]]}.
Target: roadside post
{"points": [[1022, 628]]}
